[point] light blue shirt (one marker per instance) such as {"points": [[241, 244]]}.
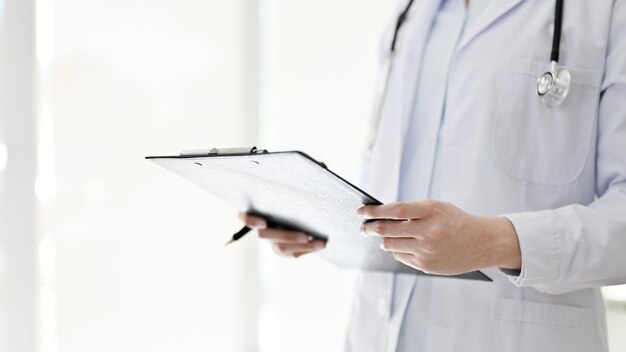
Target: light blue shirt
{"points": [[419, 158], [418, 177]]}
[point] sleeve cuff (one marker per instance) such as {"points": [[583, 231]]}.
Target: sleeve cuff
{"points": [[539, 245]]}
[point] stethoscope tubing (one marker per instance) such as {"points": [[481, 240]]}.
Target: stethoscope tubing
{"points": [[558, 29], [399, 23], [383, 84]]}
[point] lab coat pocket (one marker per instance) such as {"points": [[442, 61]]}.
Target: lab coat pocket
{"points": [[519, 326], [535, 143]]}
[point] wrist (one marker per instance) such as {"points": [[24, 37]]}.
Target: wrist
{"points": [[503, 244]]}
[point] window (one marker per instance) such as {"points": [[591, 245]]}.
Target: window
{"points": [[139, 257]]}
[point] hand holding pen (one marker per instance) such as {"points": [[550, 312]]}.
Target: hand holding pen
{"points": [[284, 242]]}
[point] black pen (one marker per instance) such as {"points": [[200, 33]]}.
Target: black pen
{"points": [[244, 230]]}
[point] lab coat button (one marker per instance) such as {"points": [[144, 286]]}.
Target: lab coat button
{"points": [[383, 307]]}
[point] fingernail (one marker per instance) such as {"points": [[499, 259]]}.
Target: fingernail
{"points": [[362, 232], [319, 245], [360, 212], [382, 246], [260, 224], [303, 238]]}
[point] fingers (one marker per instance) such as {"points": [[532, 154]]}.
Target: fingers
{"points": [[406, 259], [284, 242], [283, 236], [297, 249], [392, 228], [400, 245], [397, 211], [254, 222]]}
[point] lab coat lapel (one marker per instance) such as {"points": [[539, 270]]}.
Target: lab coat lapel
{"points": [[413, 46], [494, 11], [385, 158], [387, 151]]}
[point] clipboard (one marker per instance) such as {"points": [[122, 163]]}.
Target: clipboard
{"points": [[293, 191]]}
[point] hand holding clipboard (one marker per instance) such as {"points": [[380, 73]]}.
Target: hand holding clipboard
{"points": [[293, 191]]}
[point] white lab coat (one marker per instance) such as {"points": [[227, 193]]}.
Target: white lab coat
{"points": [[558, 174]]}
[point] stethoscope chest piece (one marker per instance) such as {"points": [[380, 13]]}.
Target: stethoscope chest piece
{"points": [[553, 86]]}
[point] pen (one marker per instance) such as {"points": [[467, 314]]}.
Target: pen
{"points": [[244, 230]]}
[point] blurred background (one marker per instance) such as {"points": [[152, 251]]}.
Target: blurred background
{"points": [[101, 250]]}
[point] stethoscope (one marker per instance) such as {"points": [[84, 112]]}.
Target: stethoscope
{"points": [[552, 86]]}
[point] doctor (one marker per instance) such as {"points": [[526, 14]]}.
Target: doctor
{"points": [[486, 174]]}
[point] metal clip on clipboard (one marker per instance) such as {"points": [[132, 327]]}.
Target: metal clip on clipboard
{"points": [[222, 151]]}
